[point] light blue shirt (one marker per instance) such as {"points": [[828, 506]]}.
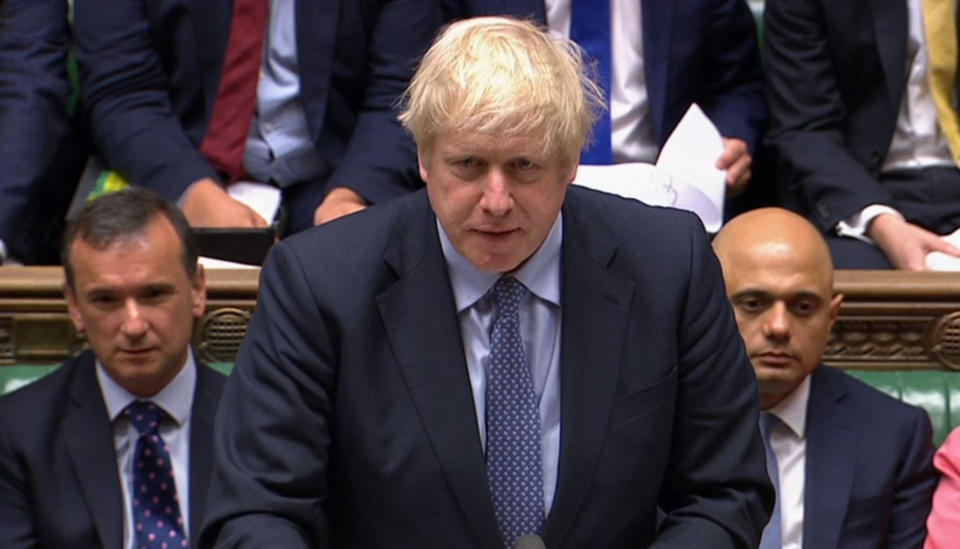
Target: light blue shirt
{"points": [[539, 330], [279, 148], [177, 400]]}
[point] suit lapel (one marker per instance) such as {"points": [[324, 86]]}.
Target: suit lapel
{"points": [[890, 31], [657, 21], [419, 316], [595, 305], [204, 408], [89, 437], [831, 451]]}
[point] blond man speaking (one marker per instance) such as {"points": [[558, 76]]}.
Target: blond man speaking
{"points": [[498, 358]]}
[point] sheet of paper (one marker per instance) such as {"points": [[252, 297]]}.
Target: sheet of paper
{"points": [[262, 198], [214, 263], [939, 261], [684, 177], [690, 156]]}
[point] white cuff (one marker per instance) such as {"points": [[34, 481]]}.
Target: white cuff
{"points": [[856, 225]]}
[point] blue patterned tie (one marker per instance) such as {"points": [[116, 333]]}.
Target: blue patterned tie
{"points": [[514, 468], [772, 536], [590, 28], [156, 511]]}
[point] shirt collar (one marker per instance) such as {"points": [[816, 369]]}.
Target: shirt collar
{"points": [[540, 273], [176, 398], [792, 410]]}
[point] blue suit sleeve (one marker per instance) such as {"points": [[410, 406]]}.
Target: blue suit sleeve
{"points": [[380, 161], [125, 88], [34, 38]]}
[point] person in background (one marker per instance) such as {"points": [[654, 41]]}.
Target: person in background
{"points": [[414, 392], [114, 448], [943, 524], [187, 99], [656, 58], [852, 466], [41, 146], [864, 126]]}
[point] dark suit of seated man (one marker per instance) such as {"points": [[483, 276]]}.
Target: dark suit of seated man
{"points": [[497, 356], [86, 452], [854, 465]]}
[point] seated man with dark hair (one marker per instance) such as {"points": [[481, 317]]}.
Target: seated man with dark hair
{"points": [[852, 466], [114, 448], [497, 357]]}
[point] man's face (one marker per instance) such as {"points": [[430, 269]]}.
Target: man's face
{"points": [[496, 198], [783, 300], [136, 303]]}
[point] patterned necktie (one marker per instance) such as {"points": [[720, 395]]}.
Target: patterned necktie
{"points": [[772, 537], [514, 468], [156, 511], [226, 136], [939, 21], [590, 28]]}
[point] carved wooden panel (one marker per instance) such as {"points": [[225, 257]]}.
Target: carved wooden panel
{"points": [[35, 327], [889, 319]]}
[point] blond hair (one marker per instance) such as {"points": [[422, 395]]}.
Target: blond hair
{"points": [[505, 77]]}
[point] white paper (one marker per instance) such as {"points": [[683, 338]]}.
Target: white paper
{"points": [[685, 175], [260, 197], [939, 261]]}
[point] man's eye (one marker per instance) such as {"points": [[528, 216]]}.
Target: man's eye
{"points": [[751, 304], [804, 307], [524, 164], [467, 163]]}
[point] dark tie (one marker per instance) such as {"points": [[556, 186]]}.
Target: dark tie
{"points": [[772, 535], [514, 468], [156, 511], [226, 136], [590, 28]]}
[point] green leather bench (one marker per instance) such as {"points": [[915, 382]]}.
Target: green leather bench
{"points": [[937, 391]]}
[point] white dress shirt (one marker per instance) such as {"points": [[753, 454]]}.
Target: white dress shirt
{"points": [[539, 331], [788, 440], [176, 399]]}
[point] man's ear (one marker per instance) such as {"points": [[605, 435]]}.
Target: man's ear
{"points": [[835, 308], [73, 309], [424, 175], [199, 291]]}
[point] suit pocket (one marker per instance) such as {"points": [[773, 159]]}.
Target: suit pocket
{"points": [[645, 400]]}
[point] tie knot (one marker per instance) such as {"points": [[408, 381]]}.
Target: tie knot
{"points": [[507, 293], [145, 415]]}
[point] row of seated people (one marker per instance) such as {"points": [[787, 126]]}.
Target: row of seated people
{"points": [[418, 390], [177, 98]]}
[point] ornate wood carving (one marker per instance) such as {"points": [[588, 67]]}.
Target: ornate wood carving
{"points": [[889, 319]]}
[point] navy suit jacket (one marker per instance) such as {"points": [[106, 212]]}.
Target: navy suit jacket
{"points": [[349, 421], [836, 80], [59, 485], [869, 470], [694, 51], [150, 71], [39, 161]]}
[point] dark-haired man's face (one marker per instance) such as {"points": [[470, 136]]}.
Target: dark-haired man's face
{"points": [[136, 303]]}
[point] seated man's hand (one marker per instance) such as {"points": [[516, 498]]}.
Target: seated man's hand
{"points": [[737, 161], [207, 204], [338, 203], [906, 245]]}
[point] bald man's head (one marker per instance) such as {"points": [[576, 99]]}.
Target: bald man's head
{"points": [[779, 278]]}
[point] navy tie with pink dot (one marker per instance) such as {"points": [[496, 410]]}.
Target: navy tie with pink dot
{"points": [[157, 523], [514, 461]]}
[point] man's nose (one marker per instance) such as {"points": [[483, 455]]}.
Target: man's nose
{"points": [[776, 324], [134, 323], [496, 199]]}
